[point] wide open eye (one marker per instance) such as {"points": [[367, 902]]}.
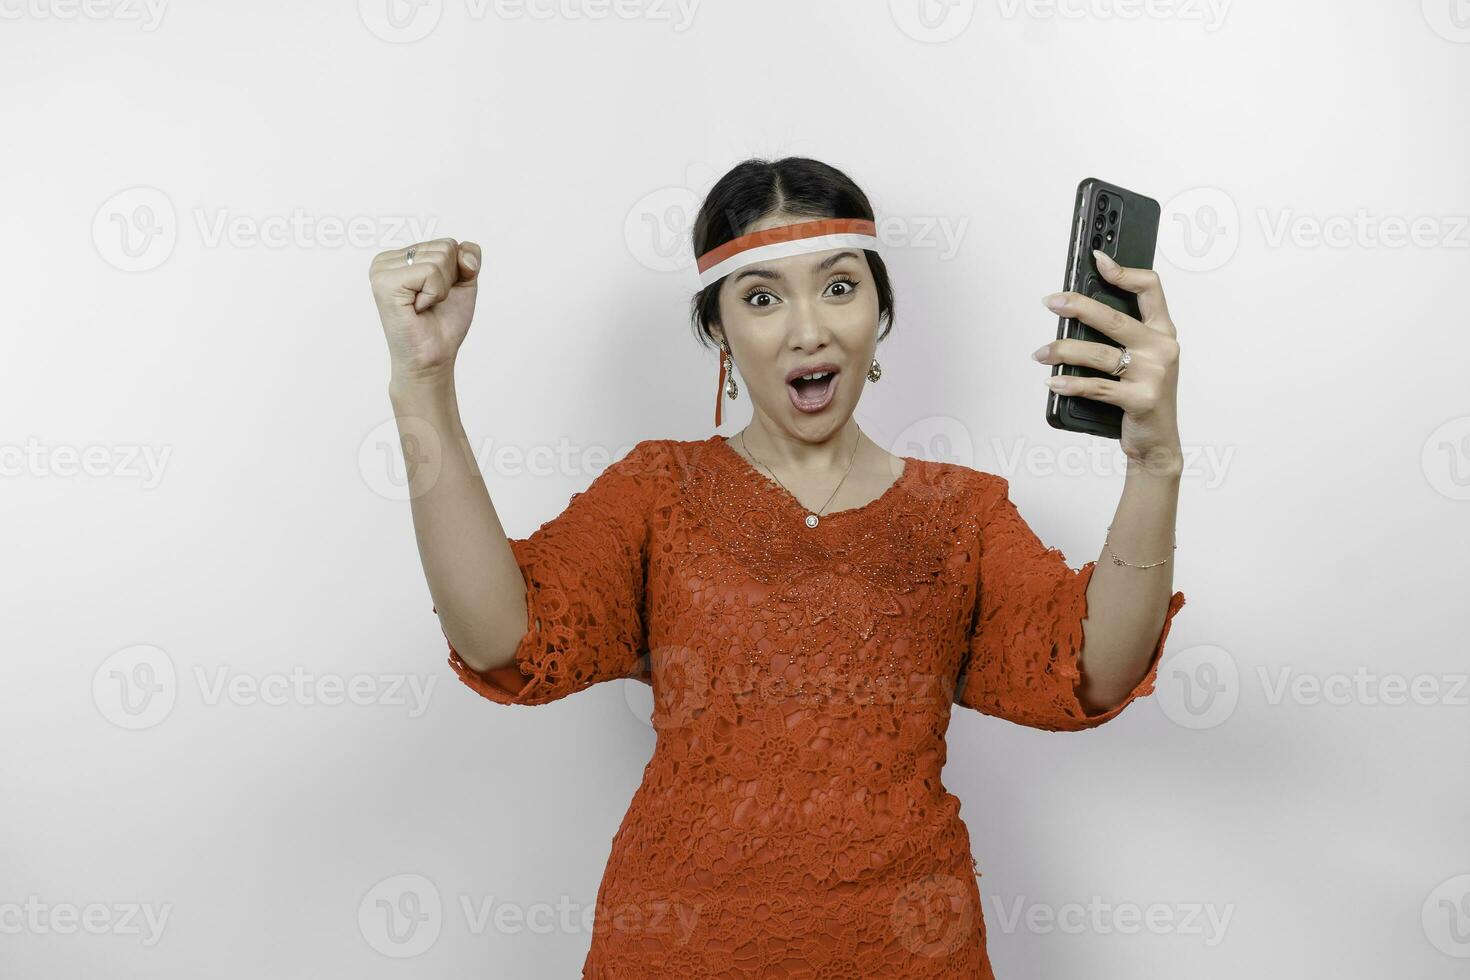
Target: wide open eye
{"points": [[761, 291]]}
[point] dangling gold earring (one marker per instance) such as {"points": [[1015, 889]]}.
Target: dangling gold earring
{"points": [[875, 372], [728, 388]]}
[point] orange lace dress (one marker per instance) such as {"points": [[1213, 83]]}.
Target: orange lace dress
{"points": [[791, 822]]}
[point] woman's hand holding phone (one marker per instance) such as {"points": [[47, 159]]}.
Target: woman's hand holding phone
{"points": [[1147, 393]]}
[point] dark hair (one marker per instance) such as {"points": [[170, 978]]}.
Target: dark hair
{"points": [[755, 188]]}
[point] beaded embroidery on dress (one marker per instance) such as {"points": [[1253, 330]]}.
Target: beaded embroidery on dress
{"points": [[792, 822]]}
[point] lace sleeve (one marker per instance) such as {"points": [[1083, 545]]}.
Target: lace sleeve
{"points": [[1022, 661], [585, 581]]}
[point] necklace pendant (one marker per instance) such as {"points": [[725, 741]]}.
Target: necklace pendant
{"points": [[811, 520]]}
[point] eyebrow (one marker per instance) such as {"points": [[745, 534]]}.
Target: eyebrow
{"points": [[825, 264]]}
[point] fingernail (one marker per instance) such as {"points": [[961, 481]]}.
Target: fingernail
{"points": [[471, 261], [1040, 352], [1056, 301], [1103, 259], [1056, 382]]}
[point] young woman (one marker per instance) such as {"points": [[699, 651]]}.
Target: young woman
{"points": [[807, 606]]}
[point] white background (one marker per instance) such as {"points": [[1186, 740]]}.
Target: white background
{"points": [[1322, 529]]}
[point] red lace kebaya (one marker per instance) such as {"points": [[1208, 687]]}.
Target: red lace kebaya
{"points": [[791, 822]]}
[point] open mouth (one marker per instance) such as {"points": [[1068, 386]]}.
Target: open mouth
{"points": [[813, 392]]}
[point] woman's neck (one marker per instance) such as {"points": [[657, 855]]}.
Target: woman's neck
{"points": [[843, 448]]}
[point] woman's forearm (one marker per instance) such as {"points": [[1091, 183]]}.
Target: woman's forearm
{"points": [[471, 571], [1126, 606]]}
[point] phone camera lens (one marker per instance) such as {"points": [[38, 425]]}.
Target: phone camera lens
{"points": [[1097, 241], [1098, 224], [1102, 203], [1113, 217]]}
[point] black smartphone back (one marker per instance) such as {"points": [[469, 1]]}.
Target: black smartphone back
{"points": [[1125, 226]]}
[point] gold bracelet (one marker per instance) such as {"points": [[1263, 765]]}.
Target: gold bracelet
{"points": [[1119, 561]]}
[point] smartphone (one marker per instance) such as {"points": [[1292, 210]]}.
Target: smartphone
{"points": [[1124, 225]]}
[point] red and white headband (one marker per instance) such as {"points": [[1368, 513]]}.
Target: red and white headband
{"points": [[784, 240]]}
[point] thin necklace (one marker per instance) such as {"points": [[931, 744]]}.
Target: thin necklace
{"points": [[811, 519]]}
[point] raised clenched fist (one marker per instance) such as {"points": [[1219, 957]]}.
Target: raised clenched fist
{"points": [[426, 300]]}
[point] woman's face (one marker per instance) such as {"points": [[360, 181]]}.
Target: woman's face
{"points": [[793, 315]]}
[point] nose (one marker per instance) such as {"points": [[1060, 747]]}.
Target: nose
{"points": [[809, 330]]}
